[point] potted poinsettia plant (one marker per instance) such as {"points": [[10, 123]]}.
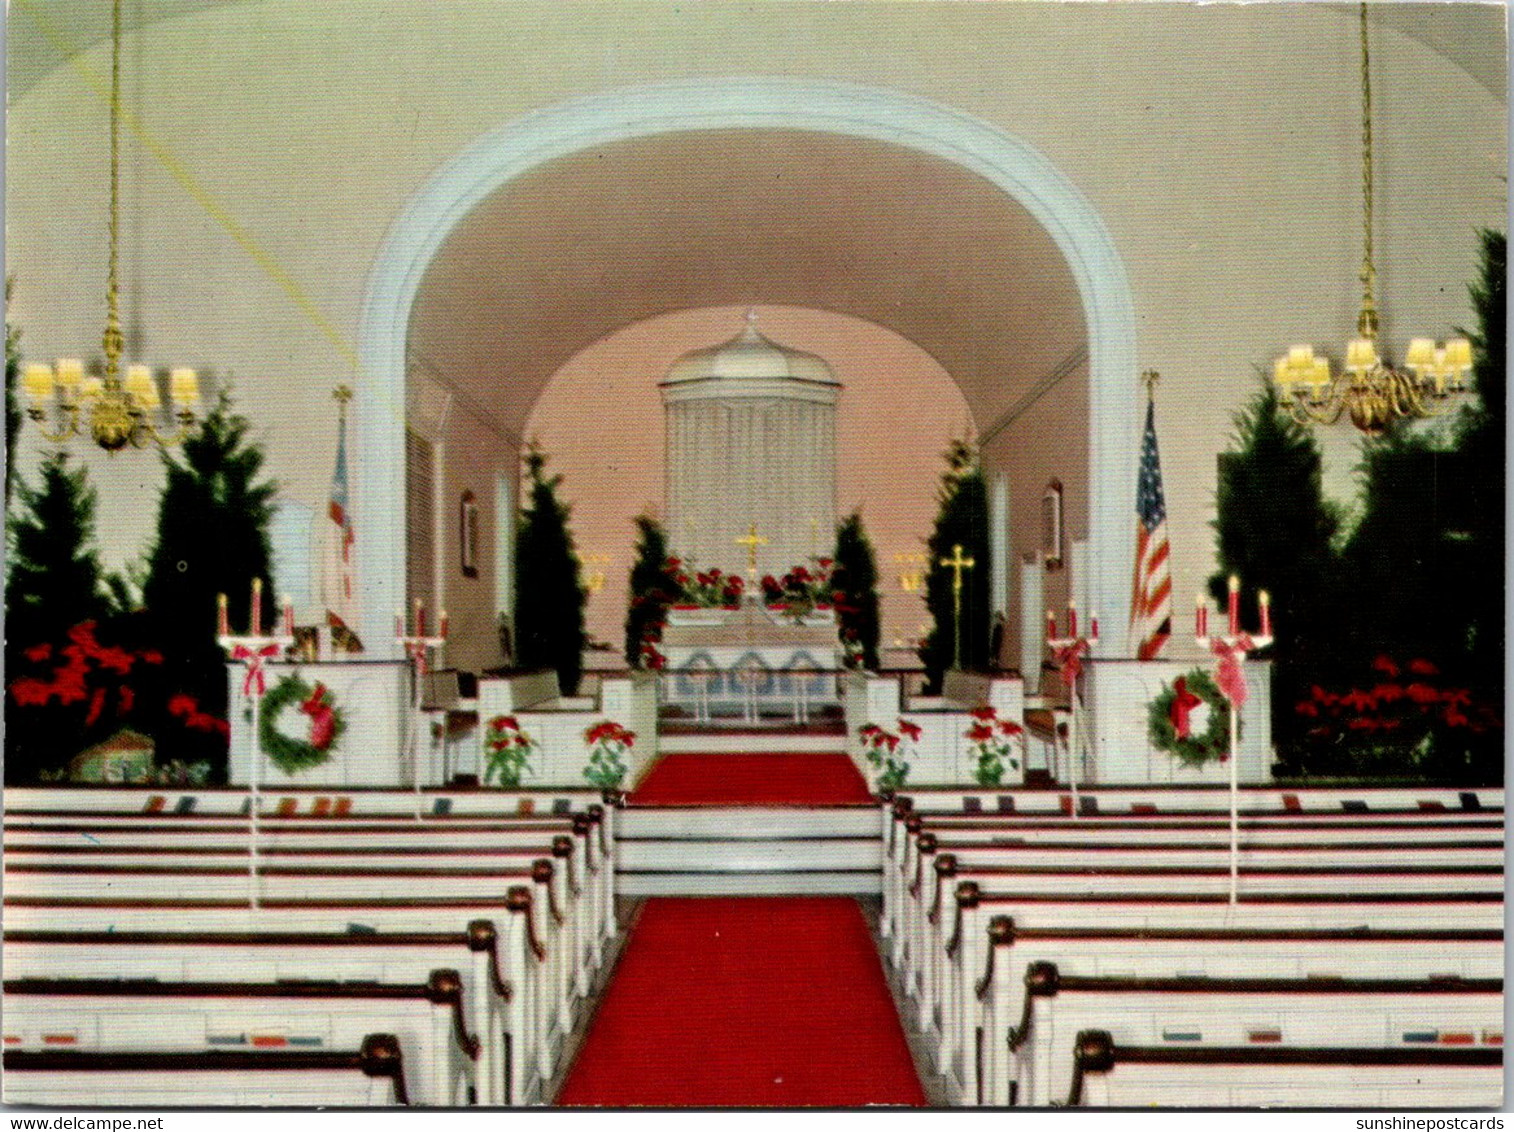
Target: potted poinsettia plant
{"points": [[608, 742], [508, 749], [994, 744], [888, 752]]}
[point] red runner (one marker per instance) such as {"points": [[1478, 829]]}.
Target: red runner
{"points": [[752, 780], [755, 1002]]}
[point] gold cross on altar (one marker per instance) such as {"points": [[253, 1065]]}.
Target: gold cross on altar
{"points": [[751, 540], [956, 563]]}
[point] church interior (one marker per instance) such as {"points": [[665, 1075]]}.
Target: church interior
{"points": [[639, 554]]}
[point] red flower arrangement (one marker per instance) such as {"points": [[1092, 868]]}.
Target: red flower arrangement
{"points": [[608, 742], [994, 739]]}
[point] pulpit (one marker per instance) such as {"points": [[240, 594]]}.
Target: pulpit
{"points": [[750, 662]]}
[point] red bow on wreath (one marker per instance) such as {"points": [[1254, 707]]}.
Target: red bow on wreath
{"points": [[322, 718], [255, 682], [1183, 703]]}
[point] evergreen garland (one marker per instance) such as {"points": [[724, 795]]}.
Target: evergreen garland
{"points": [[549, 598], [212, 538], [856, 581], [12, 403], [961, 520], [653, 589], [1276, 531]]}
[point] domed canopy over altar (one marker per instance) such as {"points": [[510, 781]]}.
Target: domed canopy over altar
{"points": [[751, 434]]}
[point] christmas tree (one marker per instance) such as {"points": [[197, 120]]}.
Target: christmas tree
{"points": [[856, 581], [652, 591], [549, 599], [961, 521], [212, 538]]}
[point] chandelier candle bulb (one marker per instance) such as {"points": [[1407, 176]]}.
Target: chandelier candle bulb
{"points": [[1235, 604], [39, 384], [91, 388], [183, 387], [223, 621], [142, 387]]}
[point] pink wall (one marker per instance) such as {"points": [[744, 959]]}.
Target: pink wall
{"points": [[600, 420]]}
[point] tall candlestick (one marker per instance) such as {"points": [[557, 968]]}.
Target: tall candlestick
{"points": [[1072, 617], [223, 620], [256, 618], [288, 616], [1235, 605], [1051, 625], [1265, 601], [420, 618]]}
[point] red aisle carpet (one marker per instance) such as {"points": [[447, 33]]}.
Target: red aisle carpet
{"points": [[747, 1001], [752, 780]]}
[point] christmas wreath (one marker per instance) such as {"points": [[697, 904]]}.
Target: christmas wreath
{"points": [[1190, 720], [326, 725]]}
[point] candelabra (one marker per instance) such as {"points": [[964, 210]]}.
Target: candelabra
{"points": [[254, 649], [417, 647], [1068, 653], [1230, 650]]}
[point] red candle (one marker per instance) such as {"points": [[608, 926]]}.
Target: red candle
{"points": [[1051, 625], [1235, 605], [444, 625], [399, 623], [257, 607], [1200, 617], [1265, 601], [1093, 627], [288, 616], [1072, 618], [223, 622], [420, 618]]}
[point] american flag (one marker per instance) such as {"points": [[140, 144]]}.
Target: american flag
{"points": [[338, 578], [1151, 596]]}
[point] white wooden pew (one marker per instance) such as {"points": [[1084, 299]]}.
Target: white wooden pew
{"points": [[1105, 800], [141, 1016], [1107, 1075], [536, 1017], [372, 1075], [1306, 1013], [988, 991], [329, 801], [389, 957]]}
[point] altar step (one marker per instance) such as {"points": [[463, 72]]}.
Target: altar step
{"points": [[749, 850]]}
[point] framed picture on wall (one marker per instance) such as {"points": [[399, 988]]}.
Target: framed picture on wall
{"points": [[467, 538], [1051, 525]]}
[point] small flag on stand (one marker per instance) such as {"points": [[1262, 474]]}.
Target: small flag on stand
{"points": [[339, 577], [1151, 594]]}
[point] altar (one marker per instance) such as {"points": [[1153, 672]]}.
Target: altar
{"points": [[750, 661]]}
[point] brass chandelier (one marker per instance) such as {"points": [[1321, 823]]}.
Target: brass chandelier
{"points": [[66, 402], [1370, 391]]}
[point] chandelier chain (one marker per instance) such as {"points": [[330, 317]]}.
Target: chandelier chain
{"points": [[112, 341], [1367, 322]]}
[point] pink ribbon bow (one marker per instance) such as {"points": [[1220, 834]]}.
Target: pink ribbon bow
{"points": [[1228, 675], [255, 683], [1070, 661]]}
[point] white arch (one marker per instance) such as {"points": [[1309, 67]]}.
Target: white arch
{"points": [[747, 103]]}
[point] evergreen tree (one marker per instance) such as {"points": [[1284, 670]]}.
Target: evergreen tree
{"points": [[1276, 532], [962, 520], [54, 580], [652, 590], [212, 538], [54, 584], [12, 405], [549, 598], [856, 580]]}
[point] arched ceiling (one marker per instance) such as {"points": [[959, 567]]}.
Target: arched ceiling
{"points": [[604, 238]]}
